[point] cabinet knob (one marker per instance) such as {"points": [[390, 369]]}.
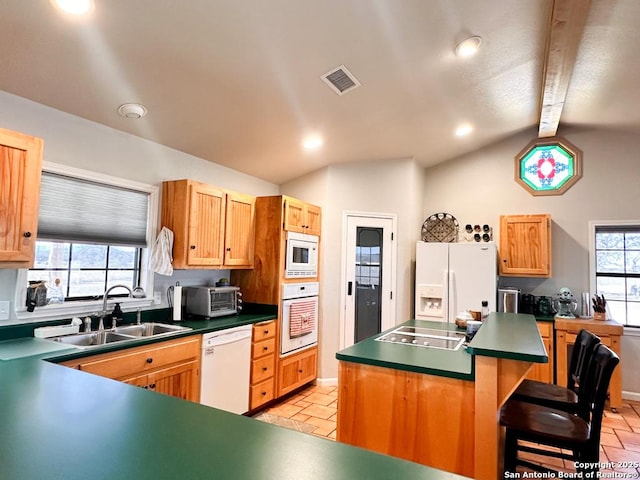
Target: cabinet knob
{"points": [[265, 348], [153, 385], [264, 369], [149, 360], [27, 234], [228, 249], [300, 371], [192, 247], [266, 332], [264, 393]]}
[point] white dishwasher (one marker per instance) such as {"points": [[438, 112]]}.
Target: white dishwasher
{"points": [[224, 372]]}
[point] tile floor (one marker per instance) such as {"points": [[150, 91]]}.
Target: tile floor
{"points": [[314, 410]]}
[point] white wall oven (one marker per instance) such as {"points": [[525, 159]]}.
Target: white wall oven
{"points": [[302, 255], [299, 317]]}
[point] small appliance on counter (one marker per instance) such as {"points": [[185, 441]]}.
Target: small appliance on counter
{"points": [[212, 301], [565, 305], [528, 304], [508, 299], [544, 306]]}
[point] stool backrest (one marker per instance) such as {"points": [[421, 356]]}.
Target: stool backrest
{"points": [[593, 391], [583, 348]]}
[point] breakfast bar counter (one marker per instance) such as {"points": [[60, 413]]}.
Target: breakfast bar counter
{"points": [[60, 423], [432, 405]]}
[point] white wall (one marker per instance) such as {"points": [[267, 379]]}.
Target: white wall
{"points": [[73, 141], [480, 187], [392, 187]]}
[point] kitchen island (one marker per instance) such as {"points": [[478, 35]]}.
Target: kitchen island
{"points": [[61, 423], [435, 406]]}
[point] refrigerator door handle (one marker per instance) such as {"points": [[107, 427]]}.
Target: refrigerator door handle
{"points": [[451, 289], [445, 295]]}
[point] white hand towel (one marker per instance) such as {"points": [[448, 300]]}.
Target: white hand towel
{"points": [[161, 257]]}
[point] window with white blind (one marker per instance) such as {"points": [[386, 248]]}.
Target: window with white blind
{"points": [[615, 269], [93, 233]]}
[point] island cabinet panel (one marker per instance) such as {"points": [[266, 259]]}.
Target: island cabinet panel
{"points": [[419, 417], [171, 367], [20, 170], [525, 245], [213, 227], [543, 372]]}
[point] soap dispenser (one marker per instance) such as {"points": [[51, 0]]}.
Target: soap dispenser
{"points": [[116, 314]]}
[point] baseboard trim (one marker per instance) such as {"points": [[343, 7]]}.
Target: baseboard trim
{"points": [[635, 396], [326, 382]]}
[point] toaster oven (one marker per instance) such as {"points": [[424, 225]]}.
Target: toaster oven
{"points": [[212, 301]]}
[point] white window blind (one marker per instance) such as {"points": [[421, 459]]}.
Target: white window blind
{"points": [[79, 210]]}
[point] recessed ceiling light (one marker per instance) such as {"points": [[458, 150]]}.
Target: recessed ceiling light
{"points": [[468, 47], [312, 142], [74, 7], [132, 110], [464, 130]]}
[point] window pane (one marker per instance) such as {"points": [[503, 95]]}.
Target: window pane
{"points": [[618, 311], [609, 240], [87, 283], [632, 241], [88, 256], [633, 261], [51, 255], [633, 314], [610, 261], [121, 277], [633, 288], [612, 288], [122, 257]]}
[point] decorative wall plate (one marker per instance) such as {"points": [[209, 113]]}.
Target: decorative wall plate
{"points": [[440, 227]]}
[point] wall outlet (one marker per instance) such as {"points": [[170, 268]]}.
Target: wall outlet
{"points": [[4, 309], [157, 298]]}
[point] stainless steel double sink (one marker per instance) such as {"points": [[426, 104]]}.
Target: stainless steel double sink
{"points": [[119, 334]]}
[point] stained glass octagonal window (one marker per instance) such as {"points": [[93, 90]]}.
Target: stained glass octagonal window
{"points": [[548, 166]]}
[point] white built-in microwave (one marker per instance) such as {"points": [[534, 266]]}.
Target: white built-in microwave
{"points": [[302, 256]]}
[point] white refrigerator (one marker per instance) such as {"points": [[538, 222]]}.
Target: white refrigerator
{"points": [[454, 277]]}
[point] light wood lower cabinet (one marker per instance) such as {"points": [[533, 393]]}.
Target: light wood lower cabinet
{"points": [[171, 367], [543, 372], [296, 370], [609, 332], [263, 364]]}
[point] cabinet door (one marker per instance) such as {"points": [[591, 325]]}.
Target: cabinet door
{"points": [[180, 381], [20, 167], [296, 370], [239, 230], [294, 212], [543, 372], [525, 245], [206, 221], [314, 220]]}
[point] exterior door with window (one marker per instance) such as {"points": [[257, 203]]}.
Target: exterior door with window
{"points": [[368, 294]]}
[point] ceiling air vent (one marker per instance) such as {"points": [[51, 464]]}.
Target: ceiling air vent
{"points": [[340, 80]]}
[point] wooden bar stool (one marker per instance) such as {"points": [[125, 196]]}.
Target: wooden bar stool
{"points": [[554, 396], [579, 433]]}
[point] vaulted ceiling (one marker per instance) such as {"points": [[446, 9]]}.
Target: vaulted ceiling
{"points": [[238, 82]]}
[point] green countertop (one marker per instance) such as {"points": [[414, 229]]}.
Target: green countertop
{"points": [[47, 349], [60, 423], [502, 335], [509, 335], [444, 363]]}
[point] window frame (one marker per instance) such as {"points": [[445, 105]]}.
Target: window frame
{"points": [[593, 224], [79, 307]]}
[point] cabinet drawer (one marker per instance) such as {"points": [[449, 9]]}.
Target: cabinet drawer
{"points": [[265, 347], [262, 393], [143, 359], [545, 329], [264, 330], [263, 368]]}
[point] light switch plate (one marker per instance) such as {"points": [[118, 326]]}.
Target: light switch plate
{"points": [[4, 309]]}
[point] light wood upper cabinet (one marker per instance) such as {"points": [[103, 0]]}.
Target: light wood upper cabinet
{"points": [[213, 228], [20, 170], [301, 217], [240, 219], [525, 245]]}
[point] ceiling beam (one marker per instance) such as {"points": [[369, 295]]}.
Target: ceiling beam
{"points": [[568, 20]]}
